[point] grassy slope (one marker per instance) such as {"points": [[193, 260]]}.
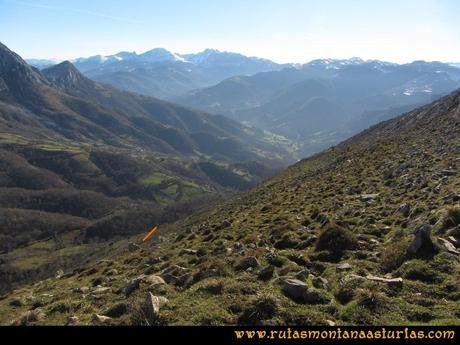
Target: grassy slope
{"points": [[402, 161]]}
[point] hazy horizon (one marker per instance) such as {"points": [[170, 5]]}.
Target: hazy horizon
{"points": [[290, 31]]}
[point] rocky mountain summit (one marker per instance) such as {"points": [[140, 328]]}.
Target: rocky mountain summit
{"points": [[364, 233]]}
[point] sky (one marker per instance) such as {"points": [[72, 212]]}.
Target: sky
{"points": [[280, 30]]}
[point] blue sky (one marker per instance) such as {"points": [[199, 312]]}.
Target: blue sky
{"points": [[282, 30]]}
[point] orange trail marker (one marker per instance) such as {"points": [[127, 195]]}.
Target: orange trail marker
{"points": [[150, 234]]}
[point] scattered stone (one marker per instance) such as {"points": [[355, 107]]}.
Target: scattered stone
{"points": [[396, 282], [330, 323], [59, 274], [152, 305], [422, 242], [274, 260], [83, 290], [303, 274], [345, 267], [248, 262], [132, 247], [132, 286], [404, 209], [29, 316], [320, 283], [454, 241], [102, 320], [448, 246], [112, 272], [266, 273], [187, 252], [72, 320], [101, 289], [153, 280], [367, 197], [300, 292]]}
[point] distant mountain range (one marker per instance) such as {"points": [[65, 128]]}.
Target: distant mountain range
{"points": [[324, 101], [161, 73]]}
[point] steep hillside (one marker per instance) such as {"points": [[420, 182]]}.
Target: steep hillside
{"points": [[139, 161], [366, 232]]}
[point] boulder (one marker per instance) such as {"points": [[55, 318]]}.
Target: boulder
{"points": [[300, 292], [83, 290], [422, 243]]}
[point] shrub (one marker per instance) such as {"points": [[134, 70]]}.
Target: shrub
{"points": [[263, 308], [336, 240], [394, 255]]}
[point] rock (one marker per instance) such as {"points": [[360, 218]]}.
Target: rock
{"points": [[83, 290], [29, 316], [303, 274], [152, 305], [102, 320], [320, 283], [112, 272], [404, 209], [448, 246], [132, 247], [132, 286], [456, 197], [367, 197], [448, 172], [454, 241], [345, 267], [422, 242], [396, 282], [169, 278], [274, 260], [266, 273], [247, 262], [300, 292], [72, 320], [153, 280], [59, 274], [101, 289], [187, 252], [330, 323]]}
